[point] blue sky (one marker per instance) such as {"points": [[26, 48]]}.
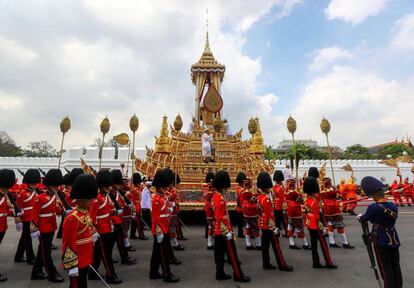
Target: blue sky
{"points": [[348, 60]]}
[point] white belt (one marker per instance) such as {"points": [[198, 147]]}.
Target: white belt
{"points": [[102, 216], [47, 215], [164, 215], [3, 214], [27, 208]]}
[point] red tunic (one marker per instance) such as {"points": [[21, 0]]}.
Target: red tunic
{"points": [[26, 199], [278, 195], [45, 210], [72, 202], [330, 203], [77, 242], [249, 205], [117, 219], [5, 211], [395, 188], [312, 220], [294, 201], [160, 214], [267, 218], [134, 195], [208, 208], [351, 191], [173, 199], [101, 210], [406, 188], [222, 225]]}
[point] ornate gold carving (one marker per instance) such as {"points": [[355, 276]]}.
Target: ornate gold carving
{"points": [[163, 143], [70, 259]]}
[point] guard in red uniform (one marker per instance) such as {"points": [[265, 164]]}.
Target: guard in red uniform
{"points": [[294, 201], [333, 215], [78, 232], [174, 204], [25, 199], [7, 180], [160, 230], [101, 211], [278, 195], [208, 208], [270, 233], [241, 176], [45, 209], [314, 224], [396, 190], [134, 195], [407, 191], [223, 231], [251, 216], [121, 218]]}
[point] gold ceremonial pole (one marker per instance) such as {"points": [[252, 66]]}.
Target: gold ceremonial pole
{"points": [[217, 124], [105, 125], [326, 127], [64, 128], [291, 126], [133, 125], [178, 125]]}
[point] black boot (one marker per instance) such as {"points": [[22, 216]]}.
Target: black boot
{"points": [[55, 278], [2, 278], [113, 280], [171, 279], [269, 267], [242, 278], [222, 276]]}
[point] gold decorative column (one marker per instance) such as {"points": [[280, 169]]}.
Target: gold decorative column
{"points": [[291, 126], [133, 125], [326, 127], [178, 125], [105, 125], [64, 128]]}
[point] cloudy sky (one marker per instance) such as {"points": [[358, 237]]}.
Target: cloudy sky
{"points": [[348, 60]]}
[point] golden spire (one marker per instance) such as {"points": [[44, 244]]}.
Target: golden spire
{"points": [[163, 143], [207, 46]]}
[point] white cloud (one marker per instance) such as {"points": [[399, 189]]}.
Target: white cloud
{"points": [[116, 58], [403, 31], [328, 55], [15, 53], [9, 102], [360, 105], [354, 11]]}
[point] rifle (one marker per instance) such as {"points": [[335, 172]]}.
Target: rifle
{"points": [[368, 242], [67, 170], [42, 172], [20, 172]]}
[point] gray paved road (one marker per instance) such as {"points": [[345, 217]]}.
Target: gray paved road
{"points": [[197, 269]]}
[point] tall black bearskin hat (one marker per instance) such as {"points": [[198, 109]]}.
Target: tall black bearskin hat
{"points": [[178, 181], [240, 178], [278, 176], [136, 178], [104, 178], [7, 178], [74, 174], [32, 176], [221, 180], [53, 178], [66, 179], [117, 176], [209, 177], [161, 179], [84, 187], [170, 175], [264, 181], [372, 186], [313, 172], [310, 186]]}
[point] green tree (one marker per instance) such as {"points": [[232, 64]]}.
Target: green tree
{"points": [[357, 151], [40, 149], [8, 147], [270, 154], [395, 150]]}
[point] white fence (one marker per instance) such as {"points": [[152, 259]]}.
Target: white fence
{"points": [[71, 159]]}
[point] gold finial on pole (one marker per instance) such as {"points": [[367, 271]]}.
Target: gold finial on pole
{"points": [[64, 128], [178, 125], [218, 125], [105, 125], [291, 126], [326, 128], [133, 125]]}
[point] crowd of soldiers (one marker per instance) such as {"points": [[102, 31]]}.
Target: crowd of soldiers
{"points": [[101, 210]]}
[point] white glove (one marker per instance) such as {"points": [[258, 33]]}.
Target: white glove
{"points": [[276, 231], [171, 209], [325, 230], [19, 227], [160, 237], [74, 272], [229, 236], [134, 215], [129, 205], [359, 216], [95, 236], [173, 204], [35, 235], [20, 213], [119, 211], [247, 226], [112, 228]]}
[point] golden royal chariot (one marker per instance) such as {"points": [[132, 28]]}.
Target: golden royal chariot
{"points": [[182, 152]]}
